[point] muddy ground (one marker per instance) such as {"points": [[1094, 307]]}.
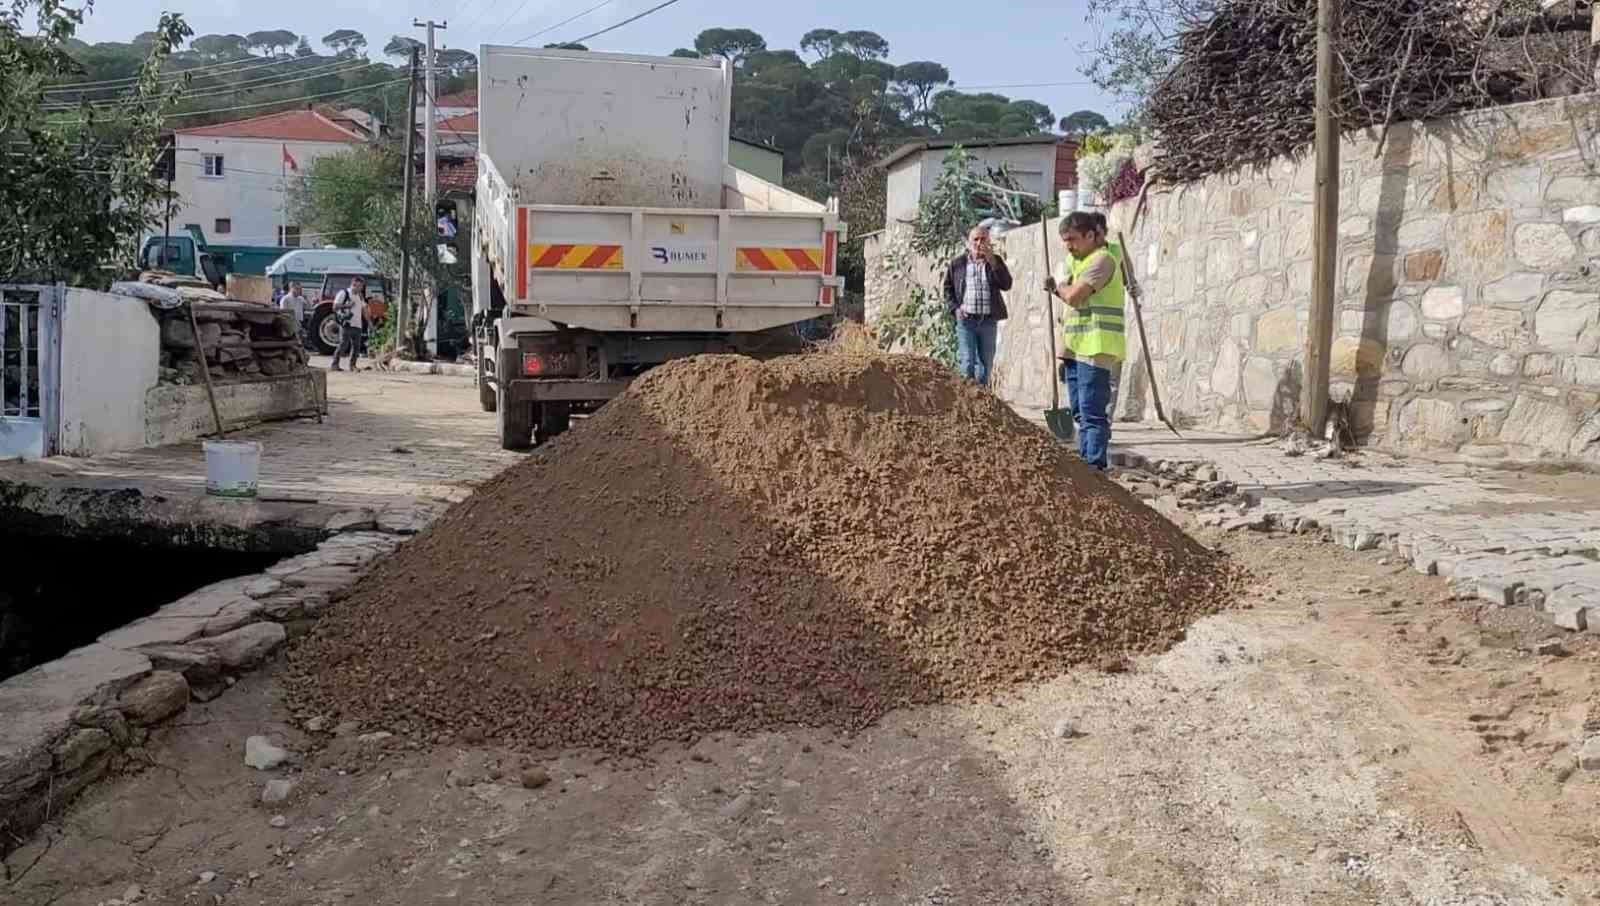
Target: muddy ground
{"points": [[1351, 735]]}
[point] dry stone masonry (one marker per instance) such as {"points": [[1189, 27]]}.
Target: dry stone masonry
{"points": [[1468, 287]]}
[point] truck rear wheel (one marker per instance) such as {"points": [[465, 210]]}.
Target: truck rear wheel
{"points": [[554, 419], [516, 421]]}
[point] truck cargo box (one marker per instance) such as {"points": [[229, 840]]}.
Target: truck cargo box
{"points": [[568, 127]]}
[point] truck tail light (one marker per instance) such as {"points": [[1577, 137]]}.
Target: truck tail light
{"points": [[545, 364]]}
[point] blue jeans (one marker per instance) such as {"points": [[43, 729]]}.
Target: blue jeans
{"points": [[1089, 394], [975, 348]]}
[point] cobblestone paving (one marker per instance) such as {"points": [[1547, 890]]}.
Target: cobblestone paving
{"points": [[1509, 537], [400, 446]]}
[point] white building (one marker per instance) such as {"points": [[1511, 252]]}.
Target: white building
{"points": [[914, 168], [232, 178]]}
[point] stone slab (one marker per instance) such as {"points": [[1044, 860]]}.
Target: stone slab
{"points": [[38, 705]]}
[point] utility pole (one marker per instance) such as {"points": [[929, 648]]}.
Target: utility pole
{"points": [[430, 173], [166, 223], [1325, 230], [405, 211]]}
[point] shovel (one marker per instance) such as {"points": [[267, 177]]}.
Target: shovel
{"points": [[1057, 419]]}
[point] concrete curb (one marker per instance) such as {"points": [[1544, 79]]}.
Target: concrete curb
{"points": [[1562, 587], [68, 722]]}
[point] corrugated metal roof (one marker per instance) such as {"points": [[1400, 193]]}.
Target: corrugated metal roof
{"points": [[941, 144]]}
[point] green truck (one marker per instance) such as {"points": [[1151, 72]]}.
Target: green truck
{"points": [[190, 255]]}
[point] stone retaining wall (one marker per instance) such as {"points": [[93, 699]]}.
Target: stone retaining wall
{"points": [[70, 721], [1468, 290], [1468, 287]]}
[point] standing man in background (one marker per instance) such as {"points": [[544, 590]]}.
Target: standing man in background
{"points": [[975, 284], [1092, 332], [294, 301], [350, 310]]}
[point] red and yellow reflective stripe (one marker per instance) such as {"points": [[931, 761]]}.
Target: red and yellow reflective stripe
{"points": [[830, 252], [773, 258], [581, 256]]}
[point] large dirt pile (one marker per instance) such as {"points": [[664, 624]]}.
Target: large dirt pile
{"points": [[734, 545]]}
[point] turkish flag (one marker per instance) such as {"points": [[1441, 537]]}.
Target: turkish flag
{"points": [[288, 159]]}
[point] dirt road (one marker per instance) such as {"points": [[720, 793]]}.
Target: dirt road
{"points": [[1350, 736]]}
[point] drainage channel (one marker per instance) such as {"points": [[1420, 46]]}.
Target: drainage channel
{"points": [[61, 593]]}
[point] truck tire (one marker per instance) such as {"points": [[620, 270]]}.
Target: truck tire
{"points": [[488, 398], [325, 332], [554, 419], [516, 422]]}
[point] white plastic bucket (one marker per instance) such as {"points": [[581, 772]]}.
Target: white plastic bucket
{"points": [[233, 468]]}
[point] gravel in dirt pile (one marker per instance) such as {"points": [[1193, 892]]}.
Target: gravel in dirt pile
{"points": [[734, 545]]}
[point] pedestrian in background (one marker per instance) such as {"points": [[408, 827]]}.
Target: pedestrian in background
{"points": [[975, 284], [350, 311], [1092, 332], [294, 301]]}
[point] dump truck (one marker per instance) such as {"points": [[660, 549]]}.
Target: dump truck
{"points": [[612, 234]]}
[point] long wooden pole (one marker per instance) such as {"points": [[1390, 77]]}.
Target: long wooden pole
{"points": [[1050, 318], [1325, 232]]}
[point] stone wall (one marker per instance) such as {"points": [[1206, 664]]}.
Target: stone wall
{"points": [[1468, 290], [1467, 287]]}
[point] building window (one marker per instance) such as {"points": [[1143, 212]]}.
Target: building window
{"points": [[223, 225], [213, 165], [289, 236]]}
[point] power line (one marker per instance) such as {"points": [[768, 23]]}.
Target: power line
{"points": [[574, 18], [325, 71], [296, 100], [245, 65], [627, 21]]}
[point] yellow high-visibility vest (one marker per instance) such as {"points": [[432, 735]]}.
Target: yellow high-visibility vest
{"points": [[1097, 328]]}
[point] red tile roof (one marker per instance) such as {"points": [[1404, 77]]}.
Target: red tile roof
{"points": [[461, 177], [466, 123], [290, 125], [468, 98]]}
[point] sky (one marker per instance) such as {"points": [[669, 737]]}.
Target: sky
{"points": [[1016, 43]]}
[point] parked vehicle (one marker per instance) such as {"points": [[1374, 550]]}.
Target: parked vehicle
{"points": [[611, 234], [188, 253], [324, 328], [307, 266]]}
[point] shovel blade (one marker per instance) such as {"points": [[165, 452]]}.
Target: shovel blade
{"points": [[1059, 421]]}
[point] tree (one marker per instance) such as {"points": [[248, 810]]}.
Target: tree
{"points": [[303, 49], [1083, 122], [734, 43], [1137, 41], [345, 42], [457, 63], [330, 198], [401, 46], [270, 43], [221, 47], [1036, 115], [866, 45], [824, 42], [84, 186], [685, 53], [918, 80]]}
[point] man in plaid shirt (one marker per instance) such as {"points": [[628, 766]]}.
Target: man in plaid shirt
{"points": [[974, 294]]}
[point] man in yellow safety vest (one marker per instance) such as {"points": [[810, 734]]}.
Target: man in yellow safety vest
{"points": [[1092, 338]]}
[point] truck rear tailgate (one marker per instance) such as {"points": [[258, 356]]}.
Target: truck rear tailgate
{"points": [[667, 269]]}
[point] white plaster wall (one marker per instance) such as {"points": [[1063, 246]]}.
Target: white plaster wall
{"points": [[1033, 165], [250, 191], [110, 358], [904, 189]]}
